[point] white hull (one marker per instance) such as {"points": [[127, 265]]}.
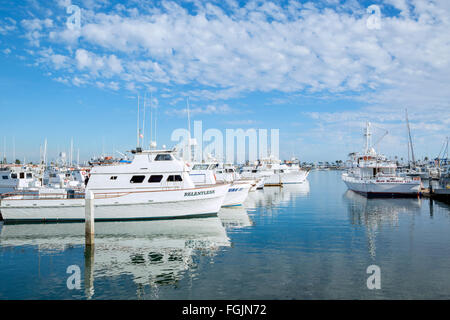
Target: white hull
{"points": [[371, 187], [237, 194], [135, 205], [277, 179], [286, 178]]}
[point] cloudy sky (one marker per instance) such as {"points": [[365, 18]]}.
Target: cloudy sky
{"points": [[315, 70]]}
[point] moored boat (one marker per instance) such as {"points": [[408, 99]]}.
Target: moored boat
{"points": [[373, 175], [155, 185]]}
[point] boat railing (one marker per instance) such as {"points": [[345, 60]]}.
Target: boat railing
{"points": [[36, 195]]}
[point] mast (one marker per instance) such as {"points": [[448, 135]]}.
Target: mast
{"points": [[4, 150], [368, 135], [143, 121], [189, 129], [137, 126], [71, 151], [14, 150], [45, 152], [151, 119], [410, 140]]}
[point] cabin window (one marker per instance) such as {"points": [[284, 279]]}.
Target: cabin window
{"points": [[155, 179], [29, 176], [137, 179], [113, 178], [254, 171], [173, 178], [52, 175], [163, 157], [5, 177], [200, 167], [13, 175], [229, 170], [22, 175]]}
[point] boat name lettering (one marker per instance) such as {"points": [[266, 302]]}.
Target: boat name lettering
{"points": [[198, 193]]}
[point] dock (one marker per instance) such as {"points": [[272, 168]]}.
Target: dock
{"points": [[441, 194]]}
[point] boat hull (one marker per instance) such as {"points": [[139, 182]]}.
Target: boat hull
{"points": [[293, 177], [237, 194], [132, 206], [387, 189]]}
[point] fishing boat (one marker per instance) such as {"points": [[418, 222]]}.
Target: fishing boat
{"points": [[275, 173], [227, 173], [204, 173], [373, 175], [17, 178], [155, 185]]}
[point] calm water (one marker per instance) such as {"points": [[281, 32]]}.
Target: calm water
{"points": [[310, 241]]}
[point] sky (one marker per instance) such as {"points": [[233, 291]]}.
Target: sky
{"points": [[317, 71]]}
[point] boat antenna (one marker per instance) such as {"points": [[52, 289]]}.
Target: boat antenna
{"points": [[137, 127], [143, 121], [151, 118], [156, 116], [410, 139]]}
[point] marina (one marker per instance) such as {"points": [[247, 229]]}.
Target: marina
{"points": [[297, 243], [197, 151]]}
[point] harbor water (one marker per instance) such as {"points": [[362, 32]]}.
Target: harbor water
{"points": [[309, 241]]}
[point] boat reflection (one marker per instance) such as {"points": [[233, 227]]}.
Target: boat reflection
{"points": [[234, 217], [378, 212], [154, 253], [271, 197]]}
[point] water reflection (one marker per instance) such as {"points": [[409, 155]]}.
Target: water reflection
{"points": [[375, 213], [154, 253], [271, 197], [234, 217]]}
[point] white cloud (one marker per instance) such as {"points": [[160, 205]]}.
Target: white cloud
{"points": [[211, 54], [7, 25], [263, 46], [205, 110]]}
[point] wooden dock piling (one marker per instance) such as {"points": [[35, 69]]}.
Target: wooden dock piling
{"points": [[89, 219]]}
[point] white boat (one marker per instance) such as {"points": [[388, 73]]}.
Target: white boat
{"points": [[205, 173], [275, 173], [155, 185], [17, 178], [55, 177], [372, 174]]}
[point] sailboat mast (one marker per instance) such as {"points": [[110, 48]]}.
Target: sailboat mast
{"points": [[410, 140]]}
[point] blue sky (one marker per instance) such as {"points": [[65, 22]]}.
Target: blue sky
{"points": [[315, 70]]}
